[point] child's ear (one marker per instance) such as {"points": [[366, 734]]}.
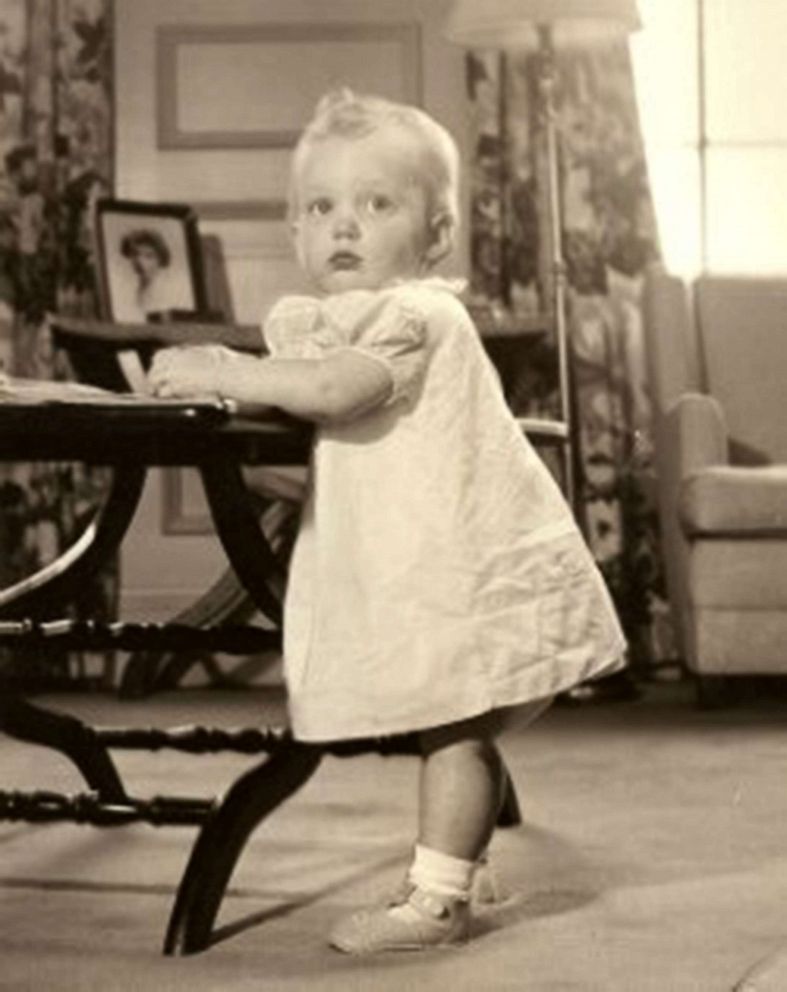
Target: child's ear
{"points": [[441, 237]]}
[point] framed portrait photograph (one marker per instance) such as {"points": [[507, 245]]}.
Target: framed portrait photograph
{"points": [[149, 260]]}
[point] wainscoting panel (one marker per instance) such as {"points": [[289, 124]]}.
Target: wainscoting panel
{"points": [[256, 105]]}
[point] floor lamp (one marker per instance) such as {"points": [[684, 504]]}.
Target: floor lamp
{"points": [[541, 26]]}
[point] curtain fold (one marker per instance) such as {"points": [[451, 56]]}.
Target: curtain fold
{"points": [[609, 235], [55, 159]]}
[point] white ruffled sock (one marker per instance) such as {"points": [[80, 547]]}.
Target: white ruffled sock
{"points": [[441, 873], [437, 874]]}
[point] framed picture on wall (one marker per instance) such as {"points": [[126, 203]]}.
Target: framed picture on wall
{"points": [[149, 260]]}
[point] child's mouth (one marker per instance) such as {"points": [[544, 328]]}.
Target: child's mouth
{"points": [[343, 261]]}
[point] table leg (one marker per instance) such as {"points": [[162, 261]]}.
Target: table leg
{"points": [[251, 798], [226, 602], [68, 736], [234, 510], [56, 582]]}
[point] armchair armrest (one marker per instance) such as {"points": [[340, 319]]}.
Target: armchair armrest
{"points": [[694, 435], [691, 435], [735, 501], [710, 496]]}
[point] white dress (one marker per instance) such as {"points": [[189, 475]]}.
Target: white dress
{"points": [[438, 572]]}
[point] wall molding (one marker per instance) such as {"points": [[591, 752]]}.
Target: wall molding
{"points": [[173, 43], [252, 210]]}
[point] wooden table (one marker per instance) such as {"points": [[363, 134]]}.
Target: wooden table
{"points": [[130, 436]]}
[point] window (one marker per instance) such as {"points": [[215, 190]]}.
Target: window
{"points": [[711, 77]]}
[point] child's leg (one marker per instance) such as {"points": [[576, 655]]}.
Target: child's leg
{"points": [[463, 780], [461, 789]]}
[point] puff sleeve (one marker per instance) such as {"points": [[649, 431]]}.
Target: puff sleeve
{"points": [[388, 328], [294, 328], [384, 326]]}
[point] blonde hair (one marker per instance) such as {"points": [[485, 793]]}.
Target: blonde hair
{"points": [[343, 113]]}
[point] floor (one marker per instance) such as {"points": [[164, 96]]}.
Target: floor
{"points": [[653, 857]]}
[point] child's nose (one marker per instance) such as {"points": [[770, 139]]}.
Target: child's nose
{"points": [[346, 224]]}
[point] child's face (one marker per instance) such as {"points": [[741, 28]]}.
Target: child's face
{"points": [[362, 220]]}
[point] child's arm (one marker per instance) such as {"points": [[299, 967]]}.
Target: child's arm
{"points": [[338, 387]]}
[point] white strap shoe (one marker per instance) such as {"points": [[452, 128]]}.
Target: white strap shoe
{"points": [[418, 920]]}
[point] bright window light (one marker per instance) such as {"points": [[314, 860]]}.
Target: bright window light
{"points": [[716, 145]]}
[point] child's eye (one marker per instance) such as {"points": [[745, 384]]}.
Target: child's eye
{"points": [[379, 203], [319, 207]]}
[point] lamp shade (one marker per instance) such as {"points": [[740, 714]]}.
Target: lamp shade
{"points": [[512, 23]]}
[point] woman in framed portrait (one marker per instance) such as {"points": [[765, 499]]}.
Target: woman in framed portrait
{"points": [[154, 289]]}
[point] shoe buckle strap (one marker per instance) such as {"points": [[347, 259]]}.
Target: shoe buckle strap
{"points": [[429, 904]]}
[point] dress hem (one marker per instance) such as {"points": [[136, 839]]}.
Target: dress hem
{"points": [[470, 705]]}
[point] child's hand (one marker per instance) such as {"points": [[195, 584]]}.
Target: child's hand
{"points": [[189, 371]]}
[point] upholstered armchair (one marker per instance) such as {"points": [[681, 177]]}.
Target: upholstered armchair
{"points": [[717, 354]]}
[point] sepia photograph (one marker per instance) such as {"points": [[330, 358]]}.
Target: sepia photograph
{"points": [[149, 259], [393, 495]]}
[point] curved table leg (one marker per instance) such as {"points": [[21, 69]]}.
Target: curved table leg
{"points": [[216, 851], [66, 735], [146, 671], [232, 506], [56, 582], [50, 586], [226, 601]]}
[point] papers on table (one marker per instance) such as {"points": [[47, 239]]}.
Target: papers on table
{"points": [[16, 390]]}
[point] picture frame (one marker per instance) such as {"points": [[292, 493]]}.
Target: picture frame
{"points": [[149, 261]]}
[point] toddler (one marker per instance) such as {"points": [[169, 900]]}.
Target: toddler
{"points": [[439, 583]]}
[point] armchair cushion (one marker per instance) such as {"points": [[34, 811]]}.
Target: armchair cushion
{"points": [[745, 576], [730, 501], [742, 332]]}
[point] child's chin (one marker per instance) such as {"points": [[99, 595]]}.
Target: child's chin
{"points": [[345, 280]]}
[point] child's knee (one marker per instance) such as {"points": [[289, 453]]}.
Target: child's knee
{"points": [[478, 732]]}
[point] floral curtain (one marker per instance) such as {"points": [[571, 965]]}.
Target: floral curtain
{"points": [[609, 235], [55, 159]]}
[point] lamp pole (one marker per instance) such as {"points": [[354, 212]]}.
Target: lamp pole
{"points": [[547, 78]]}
